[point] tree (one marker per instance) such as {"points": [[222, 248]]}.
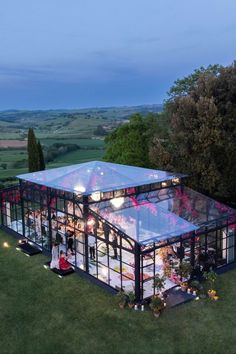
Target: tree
{"points": [[183, 87], [41, 157], [35, 153], [4, 166], [159, 155], [100, 131], [202, 135], [32, 147], [128, 144]]}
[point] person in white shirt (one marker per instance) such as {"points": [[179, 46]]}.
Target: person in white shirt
{"points": [[91, 242], [55, 256]]}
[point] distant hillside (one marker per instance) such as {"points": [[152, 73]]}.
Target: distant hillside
{"points": [[24, 116]]}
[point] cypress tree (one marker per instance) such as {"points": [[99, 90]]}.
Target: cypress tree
{"points": [[33, 156], [41, 157]]}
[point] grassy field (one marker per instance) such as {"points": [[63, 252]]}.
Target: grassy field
{"points": [[41, 313], [90, 149], [83, 143], [78, 156], [61, 126], [53, 127]]}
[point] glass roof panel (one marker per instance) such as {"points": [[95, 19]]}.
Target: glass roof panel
{"points": [[90, 177], [164, 214], [147, 223], [195, 207]]}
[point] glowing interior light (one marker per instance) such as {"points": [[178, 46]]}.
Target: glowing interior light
{"points": [[80, 188], [81, 266], [175, 180], [90, 222], [95, 196], [5, 244], [117, 202]]}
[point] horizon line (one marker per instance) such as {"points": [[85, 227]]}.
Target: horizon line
{"points": [[82, 108]]}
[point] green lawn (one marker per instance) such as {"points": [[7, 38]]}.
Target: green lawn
{"points": [[41, 313]]}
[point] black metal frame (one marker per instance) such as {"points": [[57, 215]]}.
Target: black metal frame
{"points": [[45, 197]]}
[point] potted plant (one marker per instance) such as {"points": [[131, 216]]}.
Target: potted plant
{"points": [[121, 298], [131, 299], [184, 272], [184, 286], [211, 279], [156, 305], [195, 285], [159, 283]]}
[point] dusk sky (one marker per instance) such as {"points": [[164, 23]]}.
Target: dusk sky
{"points": [[74, 54]]}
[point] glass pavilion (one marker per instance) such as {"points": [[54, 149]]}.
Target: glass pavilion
{"points": [[129, 224]]}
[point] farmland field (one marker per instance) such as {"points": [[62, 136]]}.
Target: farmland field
{"points": [[13, 143], [77, 127]]}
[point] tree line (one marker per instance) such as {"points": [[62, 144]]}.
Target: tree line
{"points": [[195, 133]]}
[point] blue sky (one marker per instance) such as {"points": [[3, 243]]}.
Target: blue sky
{"points": [[71, 54]]}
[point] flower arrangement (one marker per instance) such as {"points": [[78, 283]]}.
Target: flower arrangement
{"points": [[211, 293], [184, 286], [211, 280], [215, 298]]}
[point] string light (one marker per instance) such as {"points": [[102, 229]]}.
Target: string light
{"points": [[117, 202], [95, 196]]}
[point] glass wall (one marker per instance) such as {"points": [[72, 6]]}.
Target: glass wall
{"points": [[95, 240], [204, 252], [158, 260], [215, 248], [111, 257], [11, 212]]}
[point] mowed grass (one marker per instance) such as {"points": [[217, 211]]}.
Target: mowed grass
{"points": [[41, 313]]}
